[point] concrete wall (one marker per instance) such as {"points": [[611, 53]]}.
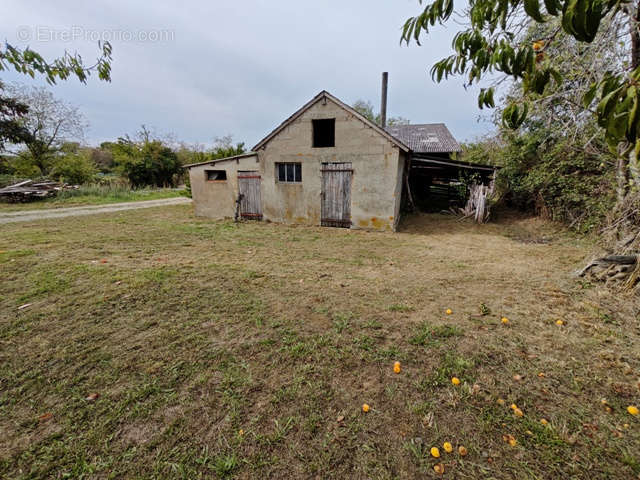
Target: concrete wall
{"points": [[217, 199], [377, 176], [376, 191]]}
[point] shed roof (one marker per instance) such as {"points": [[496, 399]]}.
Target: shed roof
{"points": [[426, 137], [218, 160], [324, 94]]}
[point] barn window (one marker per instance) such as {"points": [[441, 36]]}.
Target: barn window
{"points": [[289, 172], [216, 175], [324, 133]]}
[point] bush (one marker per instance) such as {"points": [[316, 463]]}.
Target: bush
{"points": [[550, 176], [151, 163], [75, 168]]}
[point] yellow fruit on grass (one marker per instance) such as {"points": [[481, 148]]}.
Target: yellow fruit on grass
{"points": [[633, 410], [435, 452], [513, 406], [559, 322], [462, 451], [518, 412], [504, 320], [455, 381], [365, 407], [544, 421], [500, 401], [447, 447], [448, 311], [438, 468], [396, 367]]}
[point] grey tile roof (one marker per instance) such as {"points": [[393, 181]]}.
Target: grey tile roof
{"points": [[426, 138]]}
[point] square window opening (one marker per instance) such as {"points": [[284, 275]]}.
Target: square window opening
{"points": [[324, 133], [289, 172], [216, 175]]}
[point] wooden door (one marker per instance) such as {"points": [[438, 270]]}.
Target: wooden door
{"points": [[250, 199], [336, 194]]}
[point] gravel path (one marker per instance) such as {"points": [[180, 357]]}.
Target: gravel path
{"points": [[34, 215]]}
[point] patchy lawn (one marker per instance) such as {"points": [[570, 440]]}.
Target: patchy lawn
{"points": [[247, 350], [92, 196]]}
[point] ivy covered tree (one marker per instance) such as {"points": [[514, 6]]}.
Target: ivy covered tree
{"points": [[498, 44]]}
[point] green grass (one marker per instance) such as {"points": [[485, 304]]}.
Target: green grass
{"points": [[94, 195], [223, 350]]}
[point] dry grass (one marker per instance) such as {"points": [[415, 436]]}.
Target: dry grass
{"points": [[247, 351]]}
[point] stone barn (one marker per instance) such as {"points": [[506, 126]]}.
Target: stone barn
{"points": [[324, 165]]}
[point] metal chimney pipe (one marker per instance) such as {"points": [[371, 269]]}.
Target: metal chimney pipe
{"points": [[383, 103]]}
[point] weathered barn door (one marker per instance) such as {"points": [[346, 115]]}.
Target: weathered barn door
{"points": [[336, 194], [249, 191]]}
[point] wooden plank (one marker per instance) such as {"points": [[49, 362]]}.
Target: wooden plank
{"points": [[249, 189], [336, 194]]}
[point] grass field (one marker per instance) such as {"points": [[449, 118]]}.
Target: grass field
{"points": [[247, 351], [93, 195]]}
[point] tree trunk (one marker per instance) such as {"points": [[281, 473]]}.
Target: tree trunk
{"points": [[634, 167], [622, 178], [635, 36]]}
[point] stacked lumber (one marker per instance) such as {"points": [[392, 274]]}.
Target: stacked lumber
{"points": [[614, 268], [478, 203], [29, 190]]}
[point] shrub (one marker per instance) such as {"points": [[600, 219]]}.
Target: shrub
{"points": [[75, 168]]}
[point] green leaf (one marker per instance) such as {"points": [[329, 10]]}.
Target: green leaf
{"points": [[532, 8], [590, 95], [552, 6]]}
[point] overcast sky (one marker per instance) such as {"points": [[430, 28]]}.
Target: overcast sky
{"points": [[204, 69]]}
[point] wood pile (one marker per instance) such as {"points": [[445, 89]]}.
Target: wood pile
{"points": [[620, 269], [478, 203], [29, 190]]}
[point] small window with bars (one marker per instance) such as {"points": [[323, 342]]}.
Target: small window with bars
{"points": [[289, 172]]}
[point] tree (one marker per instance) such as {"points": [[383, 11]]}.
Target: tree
{"points": [[50, 123], [224, 147], [30, 62], [496, 43], [74, 167], [12, 112], [365, 108], [146, 161]]}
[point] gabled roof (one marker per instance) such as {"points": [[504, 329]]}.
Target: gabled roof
{"points": [[218, 160], [426, 138], [327, 95]]}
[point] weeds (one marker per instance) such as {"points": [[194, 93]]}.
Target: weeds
{"points": [[427, 335]]}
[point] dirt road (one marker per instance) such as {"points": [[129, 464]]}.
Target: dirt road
{"points": [[34, 215]]}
